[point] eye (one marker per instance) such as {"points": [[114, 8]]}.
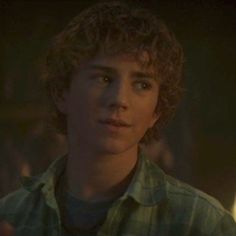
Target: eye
{"points": [[143, 85], [105, 79], [102, 79]]}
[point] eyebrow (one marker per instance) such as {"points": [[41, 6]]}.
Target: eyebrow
{"points": [[136, 74]]}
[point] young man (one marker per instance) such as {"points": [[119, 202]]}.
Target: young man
{"points": [[114, 75]]}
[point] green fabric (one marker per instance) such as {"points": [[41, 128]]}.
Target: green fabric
{"points": [[154, 204]]}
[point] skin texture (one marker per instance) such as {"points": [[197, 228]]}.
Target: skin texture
{"points": [[102, 157]]}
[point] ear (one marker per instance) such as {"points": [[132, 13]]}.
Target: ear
{"points": [[155, 118], [60, 99]]}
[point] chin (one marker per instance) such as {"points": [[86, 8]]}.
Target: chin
{"points": [[116, 148]]}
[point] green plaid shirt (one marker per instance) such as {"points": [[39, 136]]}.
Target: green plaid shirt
{"points": [[154, 204]]}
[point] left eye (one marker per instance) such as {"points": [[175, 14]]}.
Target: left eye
{"points": [[143, 85], [104, 79]]}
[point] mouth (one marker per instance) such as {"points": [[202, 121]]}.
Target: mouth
{"points": [[115, 122]]}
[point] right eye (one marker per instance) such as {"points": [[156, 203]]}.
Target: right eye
{"points": [[102, 79]]}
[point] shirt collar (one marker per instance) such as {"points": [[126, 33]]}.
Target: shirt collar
{"points": [[147, 187], [46, 180]]}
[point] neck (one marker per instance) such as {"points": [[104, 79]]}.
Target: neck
{"points": [[94, 177]]}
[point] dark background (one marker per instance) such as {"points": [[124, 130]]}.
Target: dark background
{"points": [[201, 137]]}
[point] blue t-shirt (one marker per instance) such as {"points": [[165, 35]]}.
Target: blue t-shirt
{"points": [[83, 217]]}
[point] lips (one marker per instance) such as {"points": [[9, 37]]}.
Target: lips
{"points": [[115, 122]]}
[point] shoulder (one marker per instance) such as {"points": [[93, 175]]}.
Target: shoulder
{"points": [[189, 209], [182, 194], [16, 206], [13, 202], [204, 213]]}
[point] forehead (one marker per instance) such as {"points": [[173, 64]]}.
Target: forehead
{"points": [[131, 60]]}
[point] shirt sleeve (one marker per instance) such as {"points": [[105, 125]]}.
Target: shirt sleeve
{"points": [[225, 227]]}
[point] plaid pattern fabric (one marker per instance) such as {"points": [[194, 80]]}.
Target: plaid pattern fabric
{"points": [[154, 204]]}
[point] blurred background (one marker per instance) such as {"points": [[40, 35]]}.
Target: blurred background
{"points": [[199, 145]]}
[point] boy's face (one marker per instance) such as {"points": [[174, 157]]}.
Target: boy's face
{"points": [[110, 104]]}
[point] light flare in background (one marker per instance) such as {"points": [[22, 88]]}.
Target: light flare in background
{"points": [[233, 211]]}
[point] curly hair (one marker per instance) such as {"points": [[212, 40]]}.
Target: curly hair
{"points": [[114, 27]]}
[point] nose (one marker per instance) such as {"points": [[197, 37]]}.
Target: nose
{"points": [[118, 96]]}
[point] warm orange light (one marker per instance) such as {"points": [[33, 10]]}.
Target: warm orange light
{"points": [[234, 208]]}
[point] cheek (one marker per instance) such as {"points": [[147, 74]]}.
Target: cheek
{"points": [[145, 115], [146, 108], [84, 108], [143, 121]]}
